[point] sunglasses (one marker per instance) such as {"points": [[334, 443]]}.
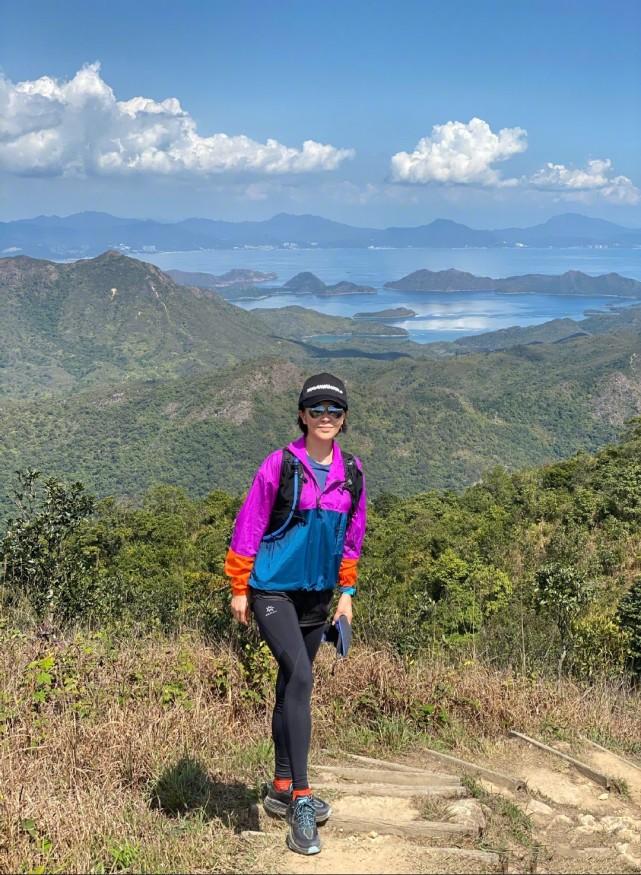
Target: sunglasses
{"points": [[321, 409]]}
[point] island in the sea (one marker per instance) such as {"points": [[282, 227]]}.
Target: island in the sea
{"points": [[573, 282], [307, 283], [240, 285], [238, 277], [390, 314]]}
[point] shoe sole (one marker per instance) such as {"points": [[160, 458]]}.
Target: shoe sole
{"points": [[273, 806], [291, 844]]}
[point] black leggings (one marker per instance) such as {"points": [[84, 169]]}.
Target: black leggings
{"points": [[294, 647]]}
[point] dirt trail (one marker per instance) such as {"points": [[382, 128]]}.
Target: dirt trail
{"points": [[438, 826]]}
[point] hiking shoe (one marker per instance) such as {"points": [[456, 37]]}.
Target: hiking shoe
{"points": [[276, 802], [303, 834]]}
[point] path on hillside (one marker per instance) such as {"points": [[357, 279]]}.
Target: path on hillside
{"points": [[393, 817]]}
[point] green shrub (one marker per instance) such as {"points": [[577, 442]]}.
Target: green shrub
{"points": [[629, 619], [40, 557]]}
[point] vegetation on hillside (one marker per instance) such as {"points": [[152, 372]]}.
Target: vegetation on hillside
{"points": [[529, 570], [111, 319], [417, 424], [556, 330]]}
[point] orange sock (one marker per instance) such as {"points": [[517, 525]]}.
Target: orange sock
{"points": [[306, 792], [282, 784]]}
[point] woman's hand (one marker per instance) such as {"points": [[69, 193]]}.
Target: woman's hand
{"points": [[344, 606], [240, 609]]}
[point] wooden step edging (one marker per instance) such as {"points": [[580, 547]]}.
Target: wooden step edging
{"points": [[624, 762], [384, 764], [594, 775], [411, 828], [501, 780], [395, 791], [384, 776]]}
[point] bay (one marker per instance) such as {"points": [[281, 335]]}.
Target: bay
{"points": [[440, 315]]}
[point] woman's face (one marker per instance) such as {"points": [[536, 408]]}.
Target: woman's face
{"points": [[324, 427]]}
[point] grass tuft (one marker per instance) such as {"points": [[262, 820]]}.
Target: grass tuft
{"points": [[507, 824]]}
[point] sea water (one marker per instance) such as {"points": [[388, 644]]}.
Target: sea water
{"points": [[440, 315]]}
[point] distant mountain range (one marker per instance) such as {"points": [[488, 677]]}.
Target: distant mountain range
{"points": [[86, 234]]}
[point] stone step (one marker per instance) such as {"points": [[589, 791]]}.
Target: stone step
{"points": [[514, 784]]}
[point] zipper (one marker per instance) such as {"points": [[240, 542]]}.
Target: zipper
{"points": [[333, 485], [319, 492]]}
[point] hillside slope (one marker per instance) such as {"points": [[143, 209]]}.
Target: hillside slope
{"points": [[111, 318], [417, 424]]}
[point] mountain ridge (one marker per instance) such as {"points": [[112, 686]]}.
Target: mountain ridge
{"points": [[87, 234]]}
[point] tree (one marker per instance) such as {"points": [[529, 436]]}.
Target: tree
{"points": [[564, 592], [39, 556]]}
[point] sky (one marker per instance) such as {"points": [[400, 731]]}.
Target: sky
{"points": [[488, 112]]}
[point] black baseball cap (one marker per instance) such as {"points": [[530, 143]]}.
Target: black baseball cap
{"points": [[323, 387]]}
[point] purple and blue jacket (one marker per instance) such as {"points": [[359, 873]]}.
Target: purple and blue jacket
{"points": [[314, 554]]}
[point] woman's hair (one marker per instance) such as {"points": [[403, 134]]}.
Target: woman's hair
{"points": [[303, 427]]}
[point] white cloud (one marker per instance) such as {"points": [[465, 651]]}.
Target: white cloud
{"points": [[465, 154], [50, 127], [595, 178], [460, 153]]}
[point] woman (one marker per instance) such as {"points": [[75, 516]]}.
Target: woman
{"points": [[285, 572]]}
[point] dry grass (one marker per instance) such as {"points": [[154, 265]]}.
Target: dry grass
{"points": [[432, 808], [145, 755], [463, 705]]}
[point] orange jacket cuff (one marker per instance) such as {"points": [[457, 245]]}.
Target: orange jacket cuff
{"points": [[348, 572], [238, 568]]}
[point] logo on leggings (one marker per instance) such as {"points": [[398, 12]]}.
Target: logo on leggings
{"points": [[269, 610]]}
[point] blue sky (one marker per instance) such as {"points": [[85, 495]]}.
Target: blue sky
{"points": [[491, 113]]}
